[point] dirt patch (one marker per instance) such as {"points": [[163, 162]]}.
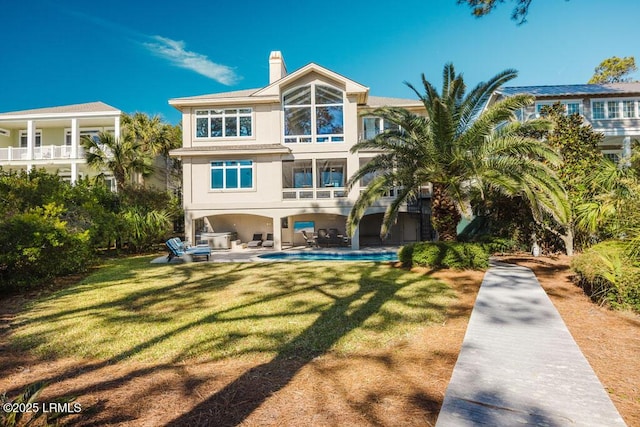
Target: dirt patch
{"points": [[400, 385]]}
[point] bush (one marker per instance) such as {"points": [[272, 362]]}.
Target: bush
{"points": [[609, 276], [37, 246], [456, 255]]}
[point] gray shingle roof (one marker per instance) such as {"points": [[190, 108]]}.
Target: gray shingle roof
{"points": [[380, 101], [234, 94], [574, 90], [90, 107]]}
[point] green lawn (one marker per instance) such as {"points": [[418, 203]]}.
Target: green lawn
{"points": [[133, 309]]}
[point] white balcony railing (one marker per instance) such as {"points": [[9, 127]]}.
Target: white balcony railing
{"points": [[313, 193], [47, 152]]}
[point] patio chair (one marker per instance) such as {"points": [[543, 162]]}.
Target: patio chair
{"points": [[177, 249], [323, 237], [256, 241], [311, 242], [268, 243]]}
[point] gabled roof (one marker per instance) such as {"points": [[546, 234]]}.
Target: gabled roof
{"points": [[271, 93], [574, 90], [88, 108], [351, 87]]}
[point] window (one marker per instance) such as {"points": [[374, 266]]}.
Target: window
{"points": [[23, 139], [372, 126], [232, 174], [570, 107], [613, 155], [224, 123], [615, 109], [313, 113], [597, 110], [93, 134], [297, 174], [331, 172]]}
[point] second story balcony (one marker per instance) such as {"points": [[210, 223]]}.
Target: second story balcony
{"points": [[47, 152]]}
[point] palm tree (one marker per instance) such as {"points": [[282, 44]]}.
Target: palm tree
{"points": [[466, 151], [155, 136], [122, 156]]}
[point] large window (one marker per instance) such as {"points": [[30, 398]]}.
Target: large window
{"points": [[331, 172], [232, 174], [313, 113], [615, 109], [224, 123], [297, 174], [37, 140]]}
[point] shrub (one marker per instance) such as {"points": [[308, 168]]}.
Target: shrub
{"points": [[38, 246], [609, 276], [456, 255]]}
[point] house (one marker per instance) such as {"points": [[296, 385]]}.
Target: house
{"points": [[49, 138], [275, 160], [612, 109]]}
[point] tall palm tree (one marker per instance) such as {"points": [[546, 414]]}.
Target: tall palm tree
{"points": [[122, 156], [155, 136], [466, 151]]}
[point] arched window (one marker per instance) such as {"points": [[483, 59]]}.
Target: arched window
{"points": [[313, 113]]}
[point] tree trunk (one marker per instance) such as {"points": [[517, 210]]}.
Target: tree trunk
{"points": [[567, 239], [444, 214]]}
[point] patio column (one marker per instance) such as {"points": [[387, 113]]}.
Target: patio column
{"points": [[75, 140], [355, 239], [277, 233]]}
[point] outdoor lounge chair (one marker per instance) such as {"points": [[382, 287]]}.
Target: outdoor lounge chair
{"points": [[311, 242], [177, 249], [256, 241], [269, 242]]}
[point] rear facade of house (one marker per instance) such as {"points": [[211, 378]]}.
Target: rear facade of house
{"points": [[275, 160]]}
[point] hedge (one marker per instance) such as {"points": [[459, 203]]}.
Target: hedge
{"points": [[455, 255]]}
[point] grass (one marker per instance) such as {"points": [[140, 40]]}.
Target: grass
{"points": [[131, 309]]}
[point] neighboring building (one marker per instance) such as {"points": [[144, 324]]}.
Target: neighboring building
{"points": [[276, 159], [49, 138], [612, 109]]}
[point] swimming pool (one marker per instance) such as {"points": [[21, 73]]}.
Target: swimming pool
{"points": [[332, 256]]}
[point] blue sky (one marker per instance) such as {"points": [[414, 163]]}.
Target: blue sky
{"points": [[137, 54]]}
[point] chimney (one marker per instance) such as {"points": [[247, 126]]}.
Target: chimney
{"points": [[277, 68]]}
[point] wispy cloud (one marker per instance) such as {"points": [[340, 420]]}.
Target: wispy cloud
{"points": [[175, 52], [166, 48]]}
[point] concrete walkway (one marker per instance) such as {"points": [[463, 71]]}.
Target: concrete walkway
{"points": [[519, 365]]}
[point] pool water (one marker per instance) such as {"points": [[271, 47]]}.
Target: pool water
{"points": [[332, 256]]}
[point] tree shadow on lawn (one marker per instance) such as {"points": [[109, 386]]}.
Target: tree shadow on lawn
{"points": [[235, 402], [238, 399]]}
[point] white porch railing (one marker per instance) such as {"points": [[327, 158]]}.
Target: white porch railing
{"points": [[47, 152]]}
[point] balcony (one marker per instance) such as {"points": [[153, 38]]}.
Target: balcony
{"points": [[313, 193], [47, 152]]}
